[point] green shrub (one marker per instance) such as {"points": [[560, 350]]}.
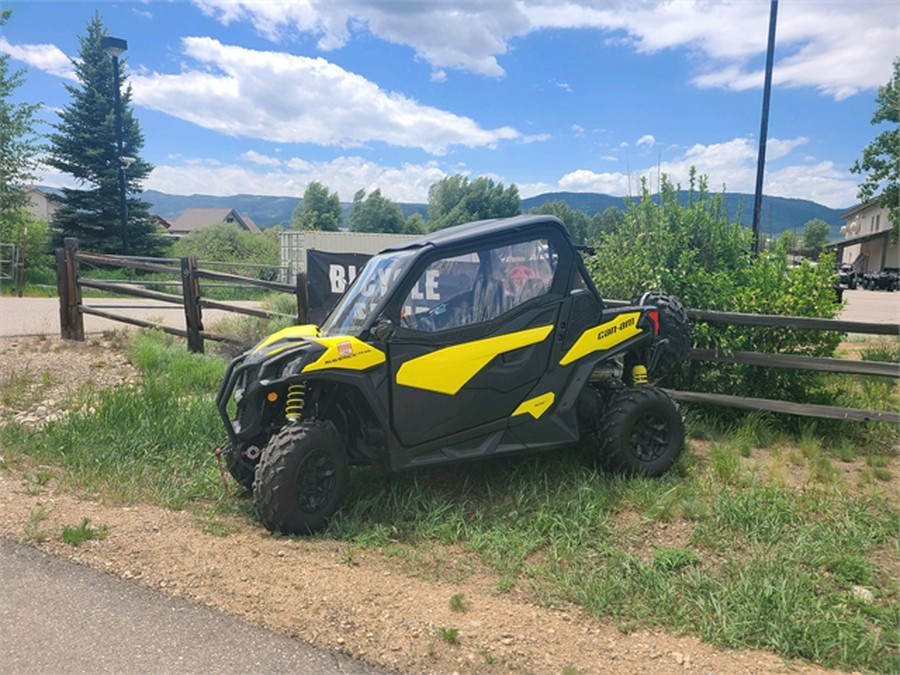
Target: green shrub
{"points": [[693, 252]]}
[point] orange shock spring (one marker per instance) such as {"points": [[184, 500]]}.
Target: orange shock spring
{"points": [[293, 406]]}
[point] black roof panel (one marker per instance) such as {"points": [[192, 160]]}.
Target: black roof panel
{"points": [[481, 229]]}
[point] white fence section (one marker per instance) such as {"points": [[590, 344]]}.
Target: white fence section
{"points": [[293, 245]]}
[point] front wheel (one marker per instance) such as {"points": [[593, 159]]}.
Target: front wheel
{"points": [[641, 433], [300, 478]]}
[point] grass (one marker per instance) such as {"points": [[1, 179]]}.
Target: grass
{"points": [[756, 539], [77, 535], [449, 635]]}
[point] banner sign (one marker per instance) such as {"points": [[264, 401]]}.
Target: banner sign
{"points": [[328, 275]]}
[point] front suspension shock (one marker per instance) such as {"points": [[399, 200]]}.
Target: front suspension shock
{"points": [[296, 399]]}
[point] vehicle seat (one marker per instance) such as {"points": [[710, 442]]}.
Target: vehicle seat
{"points": [[532, 288], [487, 299]]}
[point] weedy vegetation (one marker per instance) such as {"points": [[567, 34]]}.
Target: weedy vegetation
{"points": [[77, 535], [759, 537]]}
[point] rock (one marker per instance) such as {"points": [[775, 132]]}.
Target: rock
{"points": [[863, 594]]}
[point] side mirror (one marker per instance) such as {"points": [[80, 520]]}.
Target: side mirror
{"points": [[383, 330]]}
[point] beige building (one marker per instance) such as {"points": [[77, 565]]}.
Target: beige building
{"points": [[41, 206], [867, 245]]}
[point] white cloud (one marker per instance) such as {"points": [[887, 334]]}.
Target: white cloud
{"points": [[260, 159], [48, 58], [731, 165], [296, 99], [837, 48], [344, 175], [646, 141], [460, 35]]}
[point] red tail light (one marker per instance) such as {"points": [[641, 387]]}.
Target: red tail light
{"points": [[654, 317]]}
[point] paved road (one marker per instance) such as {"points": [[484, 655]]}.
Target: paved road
{"points": [[60, 617], [40, 316]]}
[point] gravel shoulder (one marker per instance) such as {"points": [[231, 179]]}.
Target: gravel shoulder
{"points": [[364, 603]]}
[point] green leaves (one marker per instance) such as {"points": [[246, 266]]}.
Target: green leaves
{"points": [[693, 252]]}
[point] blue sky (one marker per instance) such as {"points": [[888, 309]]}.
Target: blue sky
{"points": [[263, 97]]}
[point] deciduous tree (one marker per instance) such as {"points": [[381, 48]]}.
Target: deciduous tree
{"points": [[319, 210], [375, 213], [19, 145], [815, 233], [880, 162], [456, 200]]}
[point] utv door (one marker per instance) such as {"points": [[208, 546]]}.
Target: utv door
{"points": [[476, 330]]}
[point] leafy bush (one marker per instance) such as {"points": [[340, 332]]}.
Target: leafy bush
{"points": [[695, 253], [20, 225], [226, 242]]}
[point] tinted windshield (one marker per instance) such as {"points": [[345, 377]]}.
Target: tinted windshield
{"points": [[367, 290]]}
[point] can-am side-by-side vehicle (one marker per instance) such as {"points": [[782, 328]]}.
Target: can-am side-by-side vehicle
{"points": [[481, 340]]}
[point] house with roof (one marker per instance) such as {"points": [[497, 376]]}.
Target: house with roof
{"points": [[867, 238], [192, 220]]}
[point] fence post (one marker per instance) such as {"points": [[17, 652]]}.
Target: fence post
{"points": [[190, 289], [302, 300], [71, 320]]}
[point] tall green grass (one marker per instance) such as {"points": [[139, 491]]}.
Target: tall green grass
{"points": [[717, 548], [152, 442]]}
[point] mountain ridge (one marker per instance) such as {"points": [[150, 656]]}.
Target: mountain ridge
{"points": [[778, 213]]}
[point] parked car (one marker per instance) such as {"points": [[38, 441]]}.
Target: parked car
{"points": [[887, 279]]}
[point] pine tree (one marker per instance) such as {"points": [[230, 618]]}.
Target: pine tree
{"points": [[85, 147], [19, 146]]}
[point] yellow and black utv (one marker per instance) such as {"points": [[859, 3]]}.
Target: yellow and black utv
{"points": [[480, 340]]}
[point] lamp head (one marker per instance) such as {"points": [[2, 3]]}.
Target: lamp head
{"points": [[113, 46]]}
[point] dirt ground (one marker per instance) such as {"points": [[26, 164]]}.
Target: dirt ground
{"points": [[359, 602]]}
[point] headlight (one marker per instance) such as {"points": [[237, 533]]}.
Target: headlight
{"points": [[291, 367]]}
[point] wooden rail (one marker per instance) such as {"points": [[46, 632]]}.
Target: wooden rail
{"points": [[72, 306], [72, 309]]}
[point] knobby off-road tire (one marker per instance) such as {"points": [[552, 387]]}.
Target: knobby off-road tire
{"points": [[300, 478], [240, 468], [642, 432], [674, 326]]}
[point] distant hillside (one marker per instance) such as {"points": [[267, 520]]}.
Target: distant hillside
{"points": [[778, 213], [265, 211]]}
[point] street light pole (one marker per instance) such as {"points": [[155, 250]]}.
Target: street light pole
{"points": [[115, 47], [764, 130]]}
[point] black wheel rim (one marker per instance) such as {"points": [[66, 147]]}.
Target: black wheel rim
{"points": [[649, 437], [316, 480]]}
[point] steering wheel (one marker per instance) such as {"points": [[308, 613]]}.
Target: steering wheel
{"points": [[518, 275]]}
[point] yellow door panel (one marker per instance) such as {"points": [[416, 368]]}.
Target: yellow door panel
{"points": [[447, 370]]}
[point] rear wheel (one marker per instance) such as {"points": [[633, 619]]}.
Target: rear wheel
{"points": [[641, 433], [300, 478]]}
